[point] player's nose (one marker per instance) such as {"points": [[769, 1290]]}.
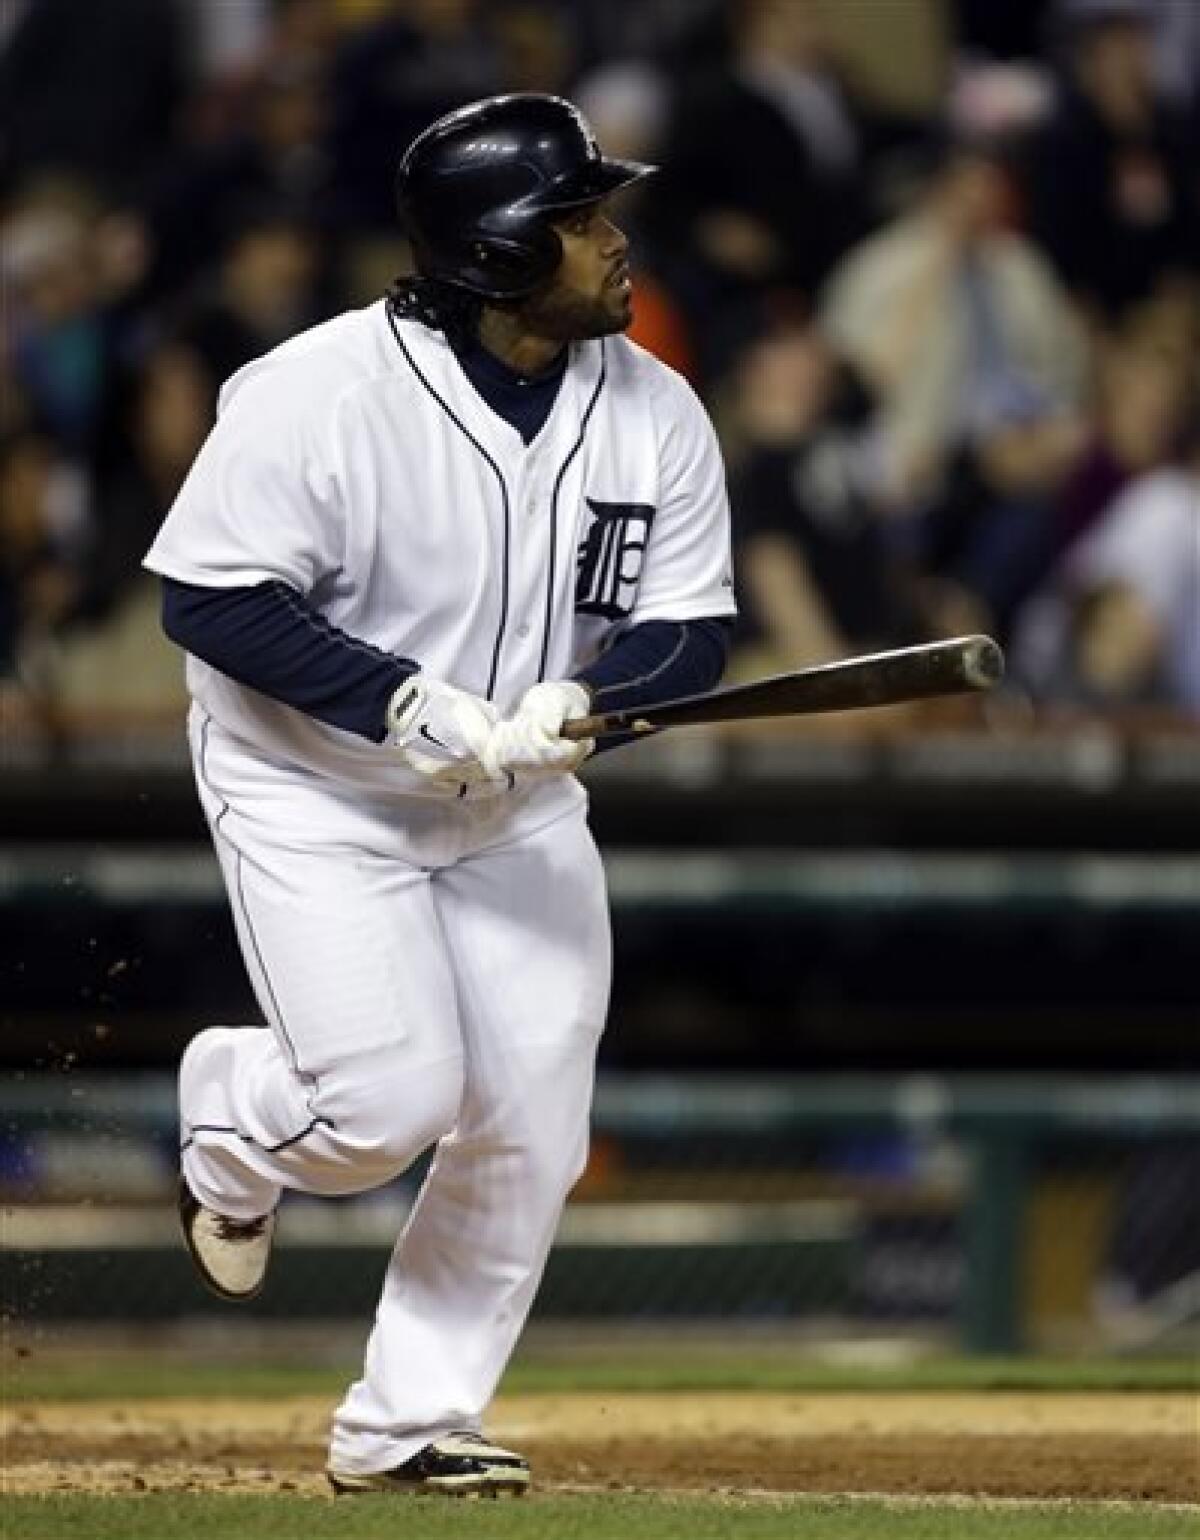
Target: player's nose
{"points": [[616, 242]]}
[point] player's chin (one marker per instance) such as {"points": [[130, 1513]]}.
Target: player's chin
{"points": [[624, 311], [613, 312]]}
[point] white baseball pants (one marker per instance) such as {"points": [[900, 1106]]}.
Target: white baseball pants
{"points": [[431, 972]]}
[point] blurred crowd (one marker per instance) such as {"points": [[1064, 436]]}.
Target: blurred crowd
{"points": [[934, 265]]}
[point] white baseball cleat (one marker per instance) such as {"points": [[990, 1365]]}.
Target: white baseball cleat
{"points": [[457, 1465], [230, 1254]]}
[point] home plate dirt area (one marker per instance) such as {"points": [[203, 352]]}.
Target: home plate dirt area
{"points": [[1131, 1445]]}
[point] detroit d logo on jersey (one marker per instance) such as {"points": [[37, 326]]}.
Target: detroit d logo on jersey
{"points": [[610, 558]]}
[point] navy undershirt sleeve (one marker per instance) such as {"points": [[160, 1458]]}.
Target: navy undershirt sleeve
{"points": [[656, 661], [273, 640], [270, 638]]}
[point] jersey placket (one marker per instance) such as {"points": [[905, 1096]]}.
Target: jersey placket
{"points": [[543, 485], [532, 479]]}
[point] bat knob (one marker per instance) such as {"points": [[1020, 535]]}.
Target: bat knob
{"points": [[982, 663]]}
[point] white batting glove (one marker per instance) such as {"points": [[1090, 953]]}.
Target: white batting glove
{"points": [[440, 731], [527, 744]]}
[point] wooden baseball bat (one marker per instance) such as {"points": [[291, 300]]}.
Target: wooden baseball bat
{"points": [[959, 666]]}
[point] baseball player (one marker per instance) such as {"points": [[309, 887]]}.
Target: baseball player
{"points": [[420, 538]]}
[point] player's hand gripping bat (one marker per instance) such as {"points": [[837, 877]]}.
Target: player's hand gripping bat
{"points": [[957, 667]]}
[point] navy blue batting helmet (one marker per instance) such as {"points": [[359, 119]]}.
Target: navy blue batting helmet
{"points": [[475, 190]]}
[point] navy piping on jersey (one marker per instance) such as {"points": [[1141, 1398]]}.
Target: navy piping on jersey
{"points": [[471, 439], [228, 1128], [202, 771], [558, 481]]}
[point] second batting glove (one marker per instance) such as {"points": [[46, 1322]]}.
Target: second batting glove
{"points": [[527, 744]]}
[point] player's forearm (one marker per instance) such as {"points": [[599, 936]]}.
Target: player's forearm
{"points": [[656, 661], [270, 638]]}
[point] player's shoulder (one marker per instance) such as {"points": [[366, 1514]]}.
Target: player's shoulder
{"points": [[318, 366], [664, 390]]}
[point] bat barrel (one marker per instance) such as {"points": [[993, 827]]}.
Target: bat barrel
{"points": [[940, 668], [962, 665]]}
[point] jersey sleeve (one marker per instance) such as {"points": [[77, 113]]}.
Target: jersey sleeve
{"points": [[262, 502], [272, 639], [688, 569]]}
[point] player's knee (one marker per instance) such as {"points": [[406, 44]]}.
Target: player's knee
{"points": [[384, 1115], [560, 1146], [551, 1166]]}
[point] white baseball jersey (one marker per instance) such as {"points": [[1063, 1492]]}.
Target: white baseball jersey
{"points": [[357, 464]]}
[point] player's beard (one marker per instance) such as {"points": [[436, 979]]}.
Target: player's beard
{"points": [[565, 315]]}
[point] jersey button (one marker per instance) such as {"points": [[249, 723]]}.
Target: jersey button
{"points": [[524, 628]]}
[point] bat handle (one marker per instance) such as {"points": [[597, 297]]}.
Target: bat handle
{"points": [[582, 727], [601, 726]]}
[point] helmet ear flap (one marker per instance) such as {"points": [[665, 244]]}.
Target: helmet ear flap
{"points": [[512, 266]]}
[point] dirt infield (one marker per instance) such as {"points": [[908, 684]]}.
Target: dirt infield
{"points": [[1046, 1445]]}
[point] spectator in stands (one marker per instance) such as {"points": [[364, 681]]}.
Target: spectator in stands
{"points": [[1139, 402], [1121, 624], [535, 46], [70, 544], [39, 571], [264, 290], [273, 153], [759, 187], [954, 317], [1113, 190], [78, 617], [925, 459], [59, 343], [158, 416], [815, 576], [1141, 387], [1001, 533], [961, 329], [240, 44], [415, 61], [1177, 52], [89, 90]]}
